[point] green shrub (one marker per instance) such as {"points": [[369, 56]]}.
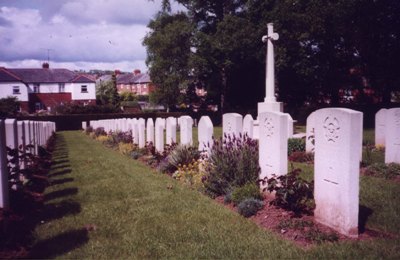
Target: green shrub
{"points": [[292, 192], [88, 129], [99, 131], [388, 171], [296, 145], [233, 162], [249, 207], [182, 155], [248, 191]]}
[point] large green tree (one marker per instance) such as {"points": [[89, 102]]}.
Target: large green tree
{"points": [[168, 55]]}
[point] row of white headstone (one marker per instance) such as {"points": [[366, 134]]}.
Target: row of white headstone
{"points": [[387, 133], [25, 135], [153, 131]]}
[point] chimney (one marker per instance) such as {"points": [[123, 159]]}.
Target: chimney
{"points": [[117, 72], [45, 65], [136, 72]]}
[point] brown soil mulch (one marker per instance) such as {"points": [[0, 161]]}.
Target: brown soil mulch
{"points": [[304, 231]]}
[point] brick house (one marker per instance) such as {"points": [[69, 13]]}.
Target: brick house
{"points": [[45, 88], [136, 82]]}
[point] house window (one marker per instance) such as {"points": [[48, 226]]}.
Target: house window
{"points": [[36, 88], [61, 87], [16, 90], [84, 89], [38, 106]]}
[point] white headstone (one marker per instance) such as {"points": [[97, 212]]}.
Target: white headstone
{"points": [[11, 134], [380, 131], [84, 125], [290, 126], [159, 129], [205, 134], [21, 140], [273, 145], [4, 187], [248, 125], [135, 131], [150, 130], [171, 130], [338, 134], [310, 135], [186, 130], [232, 124], [142, 134], [392, 140]]}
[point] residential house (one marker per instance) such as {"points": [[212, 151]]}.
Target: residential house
{"points": [[136, 82], [45, 88]]}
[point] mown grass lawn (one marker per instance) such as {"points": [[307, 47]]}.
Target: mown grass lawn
{"points": [[104, 205]]}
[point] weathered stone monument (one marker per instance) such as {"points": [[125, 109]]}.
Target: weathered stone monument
{"points": [[186, 130], [232, 124], [4, 193], [273, 144], [392, 139], [270, 103], [380, 130], [248, 125], [150, 131], [338, 140], [205, 134]]}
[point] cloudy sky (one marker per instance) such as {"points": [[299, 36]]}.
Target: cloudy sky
{"points": [[79, 34]]}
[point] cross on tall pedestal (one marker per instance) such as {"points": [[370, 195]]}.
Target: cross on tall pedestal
{"points": [[270, 64]]}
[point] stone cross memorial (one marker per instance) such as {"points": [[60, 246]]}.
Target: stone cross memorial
{"points": [[392, 139], [270, 103], [338, 142]]}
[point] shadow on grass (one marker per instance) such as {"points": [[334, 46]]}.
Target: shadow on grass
{"points": [[60, 193], [58, 173], [61, 181], [60, 166], [60, 244], [363, 215], [58, 210]]}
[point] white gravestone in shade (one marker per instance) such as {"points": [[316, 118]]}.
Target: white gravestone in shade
{"points": [[142, 134], [84, 125], [232, 125], [150, 131], [337, 168], [159, 129], [205, 134], [186, 130], [392, 139], [171, 130], [273, 144], [290, 125], [248, 125], [27, 134], [380, 132], [12, 135], [21, 141], [4, 192], [310, 136]]}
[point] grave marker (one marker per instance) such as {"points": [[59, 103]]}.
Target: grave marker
{"points": [[171, 130], [4, 192], [380, 131], [141, 130], [186, 130], [248, 125], [159, 129], [338, 140], [232, 124], [205, 134], [392, 139], [150, 130]]}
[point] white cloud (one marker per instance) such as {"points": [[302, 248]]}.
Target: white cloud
{"points": [[102, 33]]}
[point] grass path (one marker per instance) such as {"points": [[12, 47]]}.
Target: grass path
{"points": [[104, 205]]}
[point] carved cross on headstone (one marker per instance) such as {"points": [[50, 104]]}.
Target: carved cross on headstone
{"points": [[270, 64]]}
